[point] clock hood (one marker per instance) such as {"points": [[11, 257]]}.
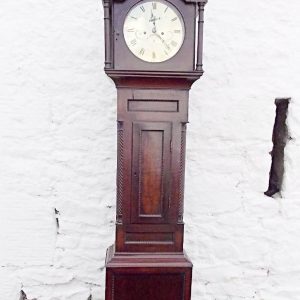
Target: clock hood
{"points": [[119, 58]]}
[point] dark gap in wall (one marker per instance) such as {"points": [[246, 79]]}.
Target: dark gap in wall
{"points": [[279, 139], [23, 295], [56, 212]]}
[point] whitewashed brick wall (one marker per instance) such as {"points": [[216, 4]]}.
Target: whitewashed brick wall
{"points": [[58, 152]]}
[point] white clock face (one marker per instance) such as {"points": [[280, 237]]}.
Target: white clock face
{"points": [[154, 30]]}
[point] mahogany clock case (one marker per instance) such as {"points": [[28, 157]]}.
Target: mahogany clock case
{"points": [[147, 261]]}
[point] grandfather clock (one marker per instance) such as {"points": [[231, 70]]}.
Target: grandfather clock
{"points": [[153, 53]]}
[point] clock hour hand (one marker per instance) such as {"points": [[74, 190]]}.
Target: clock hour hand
{"points": [[153, 19]]}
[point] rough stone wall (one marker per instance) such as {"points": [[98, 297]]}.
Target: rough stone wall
{"points": [[58, 152]]}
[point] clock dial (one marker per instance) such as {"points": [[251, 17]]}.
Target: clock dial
{"points": [[154, 31]]}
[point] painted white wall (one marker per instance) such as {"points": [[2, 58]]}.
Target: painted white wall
{"points": [[58, 151]]}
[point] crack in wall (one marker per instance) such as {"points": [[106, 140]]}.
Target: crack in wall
{"points": [[89, 286], [56, 212], [23, 296]]}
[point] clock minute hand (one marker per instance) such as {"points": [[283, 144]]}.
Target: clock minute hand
{"points": [[163, 41]]}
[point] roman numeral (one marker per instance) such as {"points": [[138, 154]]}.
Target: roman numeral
{"points": [[132, 17], [154, 5], [166, 9], [167, 47], [173, 43], [133, 42], [142, 51], [142, 8], [130, 30], [174, 19], [153, 55], [177, 31]]}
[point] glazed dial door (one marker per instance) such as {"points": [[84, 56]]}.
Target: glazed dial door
{"points": [[154, 30]]}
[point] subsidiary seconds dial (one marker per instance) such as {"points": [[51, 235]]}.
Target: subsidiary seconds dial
{"points": [[154, 30]]}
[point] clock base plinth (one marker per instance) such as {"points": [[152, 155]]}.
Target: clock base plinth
{"points": [[147, 276]]}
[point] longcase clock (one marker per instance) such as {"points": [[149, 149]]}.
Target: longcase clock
{"points": [[153, 53]]}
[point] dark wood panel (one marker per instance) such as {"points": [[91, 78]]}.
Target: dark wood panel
{"points": [[149, 237], [137, 104], [153, 105], [157, 237], [151, 167], [149, 287], [151, 173]]}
